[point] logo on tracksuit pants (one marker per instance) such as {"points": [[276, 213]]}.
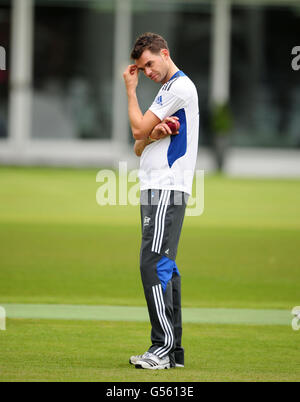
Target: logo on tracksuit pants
{"points": [[147, 220]]}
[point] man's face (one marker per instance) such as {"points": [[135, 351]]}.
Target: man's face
{"points": [[154, 65]]}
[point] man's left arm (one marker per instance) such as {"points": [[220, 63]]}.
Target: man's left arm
{"points": [[160, 131]]}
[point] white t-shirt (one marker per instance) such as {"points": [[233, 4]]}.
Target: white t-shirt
{"points": [[169, 163]]}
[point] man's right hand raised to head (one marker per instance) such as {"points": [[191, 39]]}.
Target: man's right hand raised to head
{"points": [[131, 77], [141, 125]]}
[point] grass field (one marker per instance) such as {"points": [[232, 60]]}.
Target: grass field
{"points": [[57, 246]]}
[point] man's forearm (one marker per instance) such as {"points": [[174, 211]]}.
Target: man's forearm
{"points": [[140, 145], [135, 116]]}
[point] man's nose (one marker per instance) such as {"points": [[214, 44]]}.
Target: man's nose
{"points": [[148, 71]]}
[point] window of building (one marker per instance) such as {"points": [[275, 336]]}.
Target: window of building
{"points": [[73, 56], [265, 90]]}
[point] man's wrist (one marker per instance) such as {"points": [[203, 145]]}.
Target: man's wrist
{"points": [[131, 92], [150, 139]]}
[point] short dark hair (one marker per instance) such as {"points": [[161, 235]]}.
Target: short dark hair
{"points": [[148, 41]]}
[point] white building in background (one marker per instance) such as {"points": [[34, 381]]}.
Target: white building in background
{"points": [[47, 112]]}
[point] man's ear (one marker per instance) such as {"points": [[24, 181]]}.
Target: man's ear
{"points": [[165, 53]]}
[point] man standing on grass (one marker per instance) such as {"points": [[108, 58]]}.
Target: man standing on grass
{"points": [[166, 174]]}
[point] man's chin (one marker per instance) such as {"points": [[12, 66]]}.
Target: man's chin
{"points": [[159, 80], [164, 80]]}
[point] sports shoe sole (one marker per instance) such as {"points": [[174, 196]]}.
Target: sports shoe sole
{"points": [[177, 365], [162, 367]]}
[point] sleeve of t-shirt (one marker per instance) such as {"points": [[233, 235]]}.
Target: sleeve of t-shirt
{"points": [[166, 104]]}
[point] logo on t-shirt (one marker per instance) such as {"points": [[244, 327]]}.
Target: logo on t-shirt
{"points": [[158, 100]]}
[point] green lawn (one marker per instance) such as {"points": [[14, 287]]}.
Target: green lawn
{"points": [[58, 246], [52, 350]]}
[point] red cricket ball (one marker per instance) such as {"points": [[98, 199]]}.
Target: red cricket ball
{"points": [[174, 126]]}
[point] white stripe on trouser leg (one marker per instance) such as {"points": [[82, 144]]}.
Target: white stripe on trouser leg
{"points": [[166, 348], [156, 219], [162, 320], [162, 351], [160, 221], [161, 313], [163, 222]]}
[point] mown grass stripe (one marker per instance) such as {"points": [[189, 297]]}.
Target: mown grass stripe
{"points": [[126, 313]]}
